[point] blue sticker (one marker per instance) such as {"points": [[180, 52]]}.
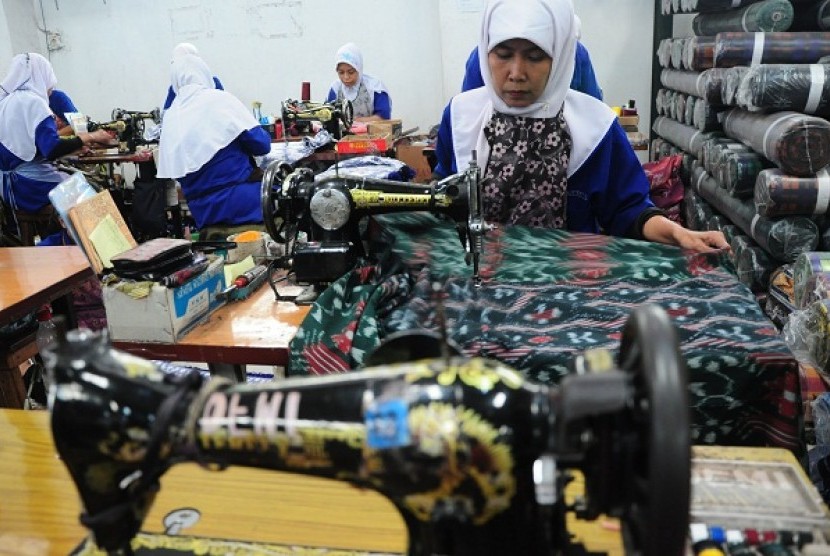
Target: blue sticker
{"points": [[387, 425]]}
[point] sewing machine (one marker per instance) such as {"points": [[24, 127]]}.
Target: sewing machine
{"points": [[336, 117], [473, 456], [129, 126], [328, 212]]}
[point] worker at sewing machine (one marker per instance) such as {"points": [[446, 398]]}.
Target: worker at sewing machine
{"points": [[207, 143], [184, 49], [552, 157], [60, 104], [29, 140], [368, 95]]}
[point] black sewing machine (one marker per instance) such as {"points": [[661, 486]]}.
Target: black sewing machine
{"points": [[129, 126], [328, 212], [336, 117], [473, 456]]}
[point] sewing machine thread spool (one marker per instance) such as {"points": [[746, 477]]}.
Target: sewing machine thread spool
{"points": [[305, 95]]}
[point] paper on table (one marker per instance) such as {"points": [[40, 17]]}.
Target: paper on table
{"points": [[232, 271], [108, 240]]}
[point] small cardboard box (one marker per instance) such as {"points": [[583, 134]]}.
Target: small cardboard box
{"points": [[364, 144], [166, 314], [413, 156], [393, 128]]}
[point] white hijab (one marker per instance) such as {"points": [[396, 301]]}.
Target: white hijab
{"points": [[183, 49], [553, 27], [549, 24], [350, 54], [200, 122], [24, 102]]}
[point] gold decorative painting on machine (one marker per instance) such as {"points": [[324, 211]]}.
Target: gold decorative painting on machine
{"points": [[319, 219]]}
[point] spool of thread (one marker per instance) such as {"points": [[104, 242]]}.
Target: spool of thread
{"points": [[306, 91]]}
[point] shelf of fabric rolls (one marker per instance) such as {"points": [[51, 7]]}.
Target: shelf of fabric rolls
{"points": [[744, 101]]}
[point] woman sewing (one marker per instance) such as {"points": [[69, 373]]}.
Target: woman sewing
{"points": [[29, 142], [551, 157], [368, 95], [207, 143]]}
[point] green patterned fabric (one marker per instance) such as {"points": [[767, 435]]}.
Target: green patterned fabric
{"points": [[549, 295]]}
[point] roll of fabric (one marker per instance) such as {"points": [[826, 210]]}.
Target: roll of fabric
{"points": [[767, 16], [689, 113], [685, 137], [811, 278], [777, 87], [699, 53], [782, 239], [754, 268], [705, 116], [731, 83], [704, 6], [717, 222], [778, 194], [676, 55], [751, 49], [798, 144], [807, 333], [696, 211], [814, 16], [660, 101], [731, 231], [679, 110], [779, 304], [664, 53], [742, 169], [705, 84]]}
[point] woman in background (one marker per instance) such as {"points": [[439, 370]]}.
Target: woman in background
{"points": [[368, 95], [207, 143], [29, 142], [185, 49], [551, 157]]}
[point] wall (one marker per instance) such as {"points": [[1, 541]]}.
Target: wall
{"points": [[19, 25], [117, 55], [113, 54]]}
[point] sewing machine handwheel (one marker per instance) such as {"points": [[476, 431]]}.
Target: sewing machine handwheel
{"points": [[656, 513], [272, 180]]}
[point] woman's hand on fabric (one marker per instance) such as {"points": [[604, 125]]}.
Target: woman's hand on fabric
{"points": [[663, 230], [702, 241], [102, 137]]}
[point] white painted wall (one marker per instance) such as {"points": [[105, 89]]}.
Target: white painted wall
{"points": [[115, 53]]}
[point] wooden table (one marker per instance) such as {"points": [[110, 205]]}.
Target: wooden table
{"points": [[40, 506], [29, 278], [254, 331]]}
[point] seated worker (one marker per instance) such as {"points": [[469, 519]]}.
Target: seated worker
{"points": [[584, 79], [60, 104], [29, 142], [207, 143], [369, 97], [182, 49], [551, 157]]}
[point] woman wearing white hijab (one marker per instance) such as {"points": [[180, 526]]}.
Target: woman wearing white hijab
{"points": [[185, 49], [369, 97], [29, 138], [551, 157], [207, 143]]}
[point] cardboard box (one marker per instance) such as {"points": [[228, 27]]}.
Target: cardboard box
{"points": [[393, 128], [166, 314], [364, 144], [413, 156]]}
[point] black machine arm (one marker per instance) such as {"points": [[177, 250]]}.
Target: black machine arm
{"points": [[129, 125], [336, 117], [473, 456], [328, 212]]}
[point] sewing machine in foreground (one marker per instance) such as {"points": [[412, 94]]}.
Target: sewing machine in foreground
{"points": [[473, 456], [327, 212]]}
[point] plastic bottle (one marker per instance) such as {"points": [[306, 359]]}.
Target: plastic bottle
{"points": [[47, 334]]}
